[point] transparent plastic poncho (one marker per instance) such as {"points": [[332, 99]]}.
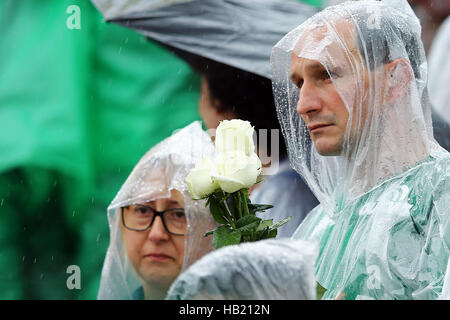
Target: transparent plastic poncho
{"points": [[263, 270], [162, 169], [389, 182]]}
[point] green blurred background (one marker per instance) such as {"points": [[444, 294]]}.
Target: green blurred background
{"points": [[78, 108]]}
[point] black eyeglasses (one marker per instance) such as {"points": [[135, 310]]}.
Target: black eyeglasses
{"points": [[140, 218]]}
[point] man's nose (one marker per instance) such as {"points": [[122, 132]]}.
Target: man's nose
{"points": [[157, 231], [308, 100]]}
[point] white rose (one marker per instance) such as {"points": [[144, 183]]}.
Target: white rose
{"points": [[235, 135], [199, 180], [235, 170]]}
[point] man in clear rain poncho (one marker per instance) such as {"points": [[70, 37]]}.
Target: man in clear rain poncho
{"points": [[148, 248], [350, 88]]}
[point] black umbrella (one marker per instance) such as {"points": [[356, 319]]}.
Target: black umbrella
{"points": [[239, 33]]}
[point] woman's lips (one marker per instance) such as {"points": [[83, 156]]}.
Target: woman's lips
{"points": [[157, 257]]}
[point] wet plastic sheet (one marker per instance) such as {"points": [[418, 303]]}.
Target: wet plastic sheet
{"points": [[262, 270]]}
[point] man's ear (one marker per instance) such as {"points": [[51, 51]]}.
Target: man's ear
{"points": [[399, 75]]}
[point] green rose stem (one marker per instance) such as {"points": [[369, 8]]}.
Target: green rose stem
{"points": [[238, 200], [228, 213], [244, 193]]}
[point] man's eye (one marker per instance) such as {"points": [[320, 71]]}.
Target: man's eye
{"points": [[327, 75], [332, 74], [299, 83]]}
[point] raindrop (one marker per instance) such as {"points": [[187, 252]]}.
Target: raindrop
{"points": [[73, 213], [1, 204], [98, 237], [42, 276], [120, 50], [23, 258], [126, 40], [35, 259]]}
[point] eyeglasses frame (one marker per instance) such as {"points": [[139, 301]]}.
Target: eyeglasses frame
{"points": [[156, 214]]}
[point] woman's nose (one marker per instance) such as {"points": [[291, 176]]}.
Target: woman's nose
{"points": [[157, 231], [161, 204]]}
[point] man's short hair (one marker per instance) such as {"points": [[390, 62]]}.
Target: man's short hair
{"points": [[375, 42]]}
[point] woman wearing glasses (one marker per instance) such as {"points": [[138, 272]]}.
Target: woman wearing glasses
{"points": [[156, 229]]}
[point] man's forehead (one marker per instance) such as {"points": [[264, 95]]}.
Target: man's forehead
{"points": [[300, 63], [315, 38]]}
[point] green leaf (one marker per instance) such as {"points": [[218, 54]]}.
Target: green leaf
{"points": [[246, 220], [320, 291], [217, 211], [272, 233], [265, 224], [233, 204], [280, 223], [258, 207], [223, 236], [208, 233], [247, 225], [262, 234]]}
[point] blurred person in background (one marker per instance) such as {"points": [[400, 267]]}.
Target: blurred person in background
{"points": [[78, 108], [439, 71], [431, 14], [435, 37]]}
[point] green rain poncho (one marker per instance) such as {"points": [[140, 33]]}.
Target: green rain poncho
{"points": [[383, 224], [78, 107]]}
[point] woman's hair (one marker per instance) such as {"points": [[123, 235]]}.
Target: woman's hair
{"points": [[246, 95]]}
